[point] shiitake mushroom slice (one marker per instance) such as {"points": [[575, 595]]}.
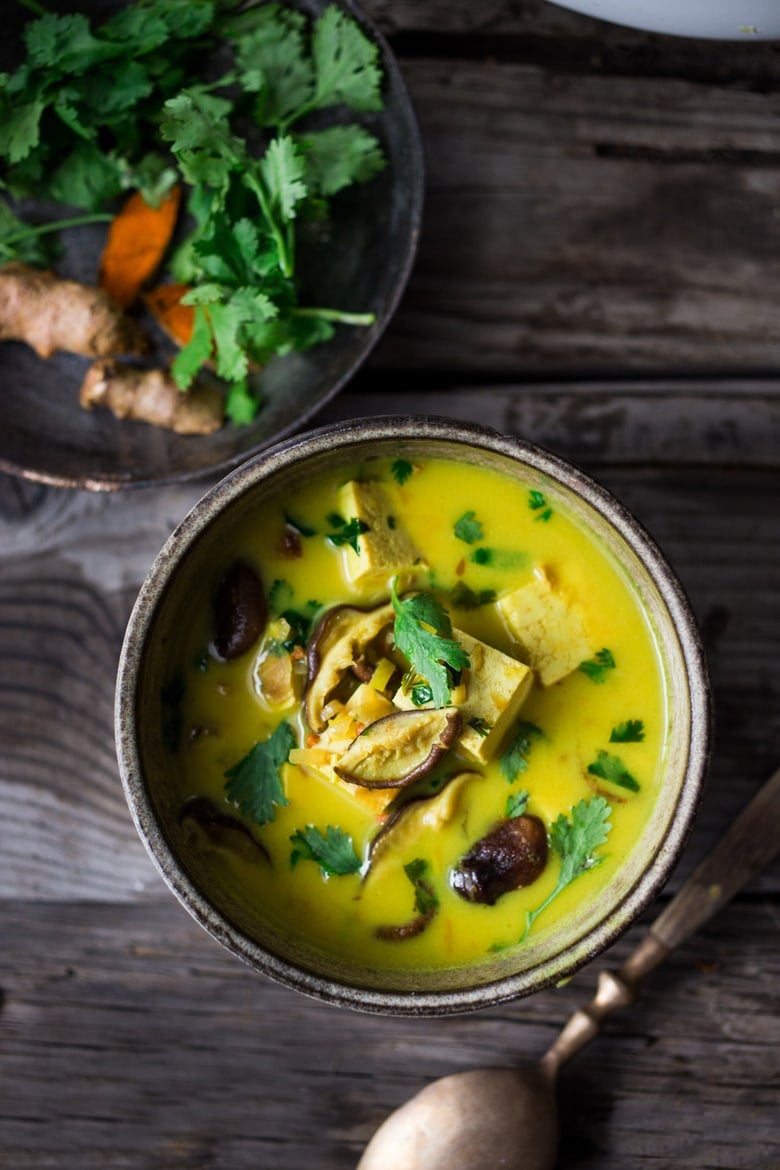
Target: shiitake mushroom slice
{"points": [[240, 611], [223, 830], [510, 856], [339, 640], [416, 818], [400, 748]]}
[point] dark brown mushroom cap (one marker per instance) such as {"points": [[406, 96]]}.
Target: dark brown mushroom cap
{"points": [[240, 611], [510, 856], [339, 640], [222, 829], [400, 748]]}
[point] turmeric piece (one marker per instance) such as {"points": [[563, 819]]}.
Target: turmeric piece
{"points": [[176, 319], [52, 314], [152, 396], [137, 240]]}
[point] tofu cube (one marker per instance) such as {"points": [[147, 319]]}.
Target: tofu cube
{"points": [[548, 627], [496, 688], [385, 547]]}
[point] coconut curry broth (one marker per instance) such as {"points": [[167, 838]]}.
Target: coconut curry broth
{"points": [[513, 573]]}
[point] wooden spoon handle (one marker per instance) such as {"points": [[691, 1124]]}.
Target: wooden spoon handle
{"points": [[749, 844]]}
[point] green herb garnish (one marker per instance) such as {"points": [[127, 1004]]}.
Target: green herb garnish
{"points": [[516, 803], [612, 768], [420, 694], [333, 851], [515, 758], [422, 633], [574, 840], [401, 470], [255, 783], [481, 726], [596, 668], [463, 597], [538, 503], [632, 731], [346, 532], [425, 898], [468, 528], [93, 113]]}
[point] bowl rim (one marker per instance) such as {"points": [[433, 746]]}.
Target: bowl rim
{"points": [[337, 437]]}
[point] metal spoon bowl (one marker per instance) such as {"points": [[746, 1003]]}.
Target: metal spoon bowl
{"points": [[489, 1118]]}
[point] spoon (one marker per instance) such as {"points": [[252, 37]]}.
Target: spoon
{"points": [[487, 1118]]}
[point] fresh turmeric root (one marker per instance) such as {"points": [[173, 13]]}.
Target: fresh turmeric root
{"points": [[137, 240], [152, 396], [51, 314]]}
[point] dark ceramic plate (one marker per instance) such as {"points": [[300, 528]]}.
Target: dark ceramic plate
{"points": [[362, 266]]}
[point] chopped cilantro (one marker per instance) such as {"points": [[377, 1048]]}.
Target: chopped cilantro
{"points": [[481, 726], [422, 633], [254, 783], [304, 529], [468, 528], [574, 839], [464, 597], [538, 503], [421, 694], [482, 556], [632, 731], [612, 768], [425, 898], [515, 758], [333, 851], [516, 803], [401, 470], [391, 522], [347, 532], [596, 668]]}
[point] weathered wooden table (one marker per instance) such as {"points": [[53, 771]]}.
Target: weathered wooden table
{"points": [[598, 272]]}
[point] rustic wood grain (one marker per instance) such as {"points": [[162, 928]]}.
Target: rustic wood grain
{"points": [[164, 1051]]}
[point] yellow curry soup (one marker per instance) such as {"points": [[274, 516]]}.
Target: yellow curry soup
{"points": [[297, 788]]}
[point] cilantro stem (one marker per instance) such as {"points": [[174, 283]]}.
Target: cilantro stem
{"points": [[285, 263], [336, 315], [58, 226]]}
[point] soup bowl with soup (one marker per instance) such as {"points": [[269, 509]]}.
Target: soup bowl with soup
{"points": [[412, 716]]}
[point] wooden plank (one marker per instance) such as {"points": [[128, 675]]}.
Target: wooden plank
{"points": [[576, 222], [137, 1041]]}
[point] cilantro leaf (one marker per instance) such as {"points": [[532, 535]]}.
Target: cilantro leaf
{"points": [[516, 803], [345, 64], [632, 731], [333, 851], [347, 532], [464, 597], [339, 156], [515, 759], [241, 403], [195, 353], [283, 169], [612, 768], [401, 470], [426, 900], [272, 62], [468, 528], [254, 783], [422, 634], [596, 668], [481, 726], [537, 502], [575, 840]]}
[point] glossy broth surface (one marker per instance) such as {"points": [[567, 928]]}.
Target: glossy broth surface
{"points": [[561, 730]]}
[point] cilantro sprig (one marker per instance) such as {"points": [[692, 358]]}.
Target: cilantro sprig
{"points": [[514, 759], [575, 840], [612, 768], [631, 731], [333, 850], [423, 634], [77, 129], [254, 783], [598, 667]]}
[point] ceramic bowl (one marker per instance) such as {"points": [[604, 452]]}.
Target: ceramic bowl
{"points": [[363, 264], [726, 20], [165, 601]]}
